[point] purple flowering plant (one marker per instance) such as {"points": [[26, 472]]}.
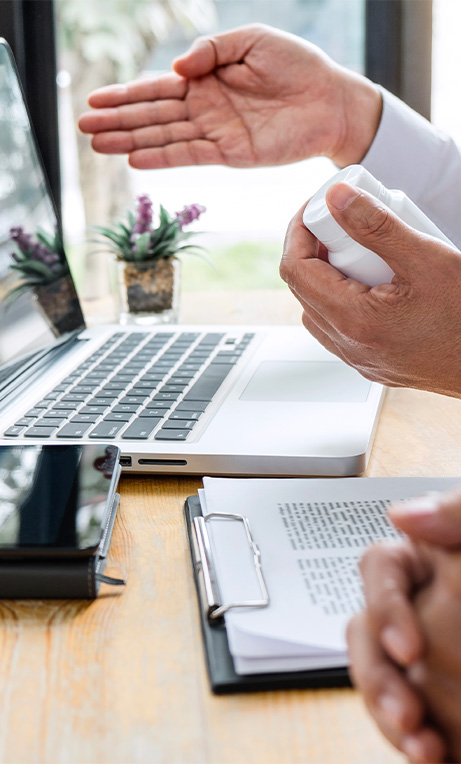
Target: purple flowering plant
{"points": [[138, 240], [39, 259]]}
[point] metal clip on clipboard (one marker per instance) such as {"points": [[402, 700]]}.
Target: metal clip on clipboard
{"points": [[206, 569]]}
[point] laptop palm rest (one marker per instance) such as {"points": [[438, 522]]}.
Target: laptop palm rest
{"points": [[306, 381]]}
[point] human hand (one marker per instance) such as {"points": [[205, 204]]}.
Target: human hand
{"points": [[404, 334], [250, 97], [403, 647]]}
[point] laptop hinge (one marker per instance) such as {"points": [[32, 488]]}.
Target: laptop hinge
{"points": [[39, 365]]}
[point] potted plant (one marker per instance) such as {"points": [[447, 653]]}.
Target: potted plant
{"points": [[40, 261], [148, 262]]}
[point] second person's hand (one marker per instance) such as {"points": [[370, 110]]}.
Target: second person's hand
{"points": [[250, 97]]}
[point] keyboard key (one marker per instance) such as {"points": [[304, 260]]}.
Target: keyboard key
{"points": [[226, 358], [144, 384], [24, 421], [113, 385], [174, 424], [159, 404], [190, 366], [96, 401], [138, 399], [173, 388], [92, 410], [126, 407], [184, 415], [192, 405], [165, 397], [34, 412], [80, 418], [152, 413], [75, 397], [140, 392], [171, 434], [212, 338], [57, 422], [121, 376], [39, 432], [61, 405], [118, 416], [208, 383], [74, 430], [13, 431], [96, 375], [54, 413], [106, 395], [83, 389], [140, 429], [106, 429]]}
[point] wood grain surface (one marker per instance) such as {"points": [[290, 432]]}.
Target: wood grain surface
{"points": [[122, 679]]}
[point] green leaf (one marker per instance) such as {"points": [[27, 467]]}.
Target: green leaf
{"points": [[45, 238], [142, 247], [32, 267]]}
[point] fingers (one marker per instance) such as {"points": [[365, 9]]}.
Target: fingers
{"points": [[135, 116], [127, 141], [435, 518], [315, 326], [161, 87], [376, 227], [389, 696], [208, 53], [390, 573], [310, 278], [182, 154]]}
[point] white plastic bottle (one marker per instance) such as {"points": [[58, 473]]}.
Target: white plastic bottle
{"points": [[347, 255]]}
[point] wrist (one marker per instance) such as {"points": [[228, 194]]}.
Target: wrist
{"points": [[361, 103]]}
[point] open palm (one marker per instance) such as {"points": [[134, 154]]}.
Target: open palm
{"points": [[254, 96]]}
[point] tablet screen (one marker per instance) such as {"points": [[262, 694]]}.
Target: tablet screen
{"points": [[55, 498]]}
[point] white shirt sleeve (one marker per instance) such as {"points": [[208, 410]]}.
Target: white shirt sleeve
{"points": [[411, 154]]}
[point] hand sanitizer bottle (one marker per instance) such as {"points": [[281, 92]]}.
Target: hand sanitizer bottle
{"points": [[347, 255]]}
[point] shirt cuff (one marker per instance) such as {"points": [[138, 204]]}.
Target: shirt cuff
{"points": [[409, 153]]}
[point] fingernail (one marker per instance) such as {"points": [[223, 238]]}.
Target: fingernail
{"points": [[341, 195], [425, 504], [413, 748], [396, 644], [392, 708]]}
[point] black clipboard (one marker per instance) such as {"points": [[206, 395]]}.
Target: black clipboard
{"points": [[222, 676]]}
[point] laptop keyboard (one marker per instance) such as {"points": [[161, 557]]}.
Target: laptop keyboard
{"points": [[136, 386]]}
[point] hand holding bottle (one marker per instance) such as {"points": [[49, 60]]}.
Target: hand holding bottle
{"points": [[404, 333], [346, 254]]}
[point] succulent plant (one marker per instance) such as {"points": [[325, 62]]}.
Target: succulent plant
{"points": [[38, 259], [138, 240]]}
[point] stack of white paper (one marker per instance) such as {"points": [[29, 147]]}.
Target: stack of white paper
{"points": [[311, 534]]}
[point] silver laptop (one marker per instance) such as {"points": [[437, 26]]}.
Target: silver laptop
{"points": [[213, 400]]}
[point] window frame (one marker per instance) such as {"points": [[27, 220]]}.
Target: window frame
{"points": [[398, 49], [29, 28]]}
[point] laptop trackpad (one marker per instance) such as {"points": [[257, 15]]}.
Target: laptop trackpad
{"points": [[310, 381]]}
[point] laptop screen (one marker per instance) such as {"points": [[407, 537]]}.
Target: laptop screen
{"points": [[39, 307]]}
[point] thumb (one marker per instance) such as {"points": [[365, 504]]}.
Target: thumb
{"points": [[208, 53], [434, 518], [372, 224]]}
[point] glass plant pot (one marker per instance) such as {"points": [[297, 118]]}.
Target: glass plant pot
{"points": [[149, 291], [58, 302]]}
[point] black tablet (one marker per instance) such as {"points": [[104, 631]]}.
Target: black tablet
{"points": [[55, 501]]}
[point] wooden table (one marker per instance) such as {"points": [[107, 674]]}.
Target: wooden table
{"points": [[122, 679]]}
